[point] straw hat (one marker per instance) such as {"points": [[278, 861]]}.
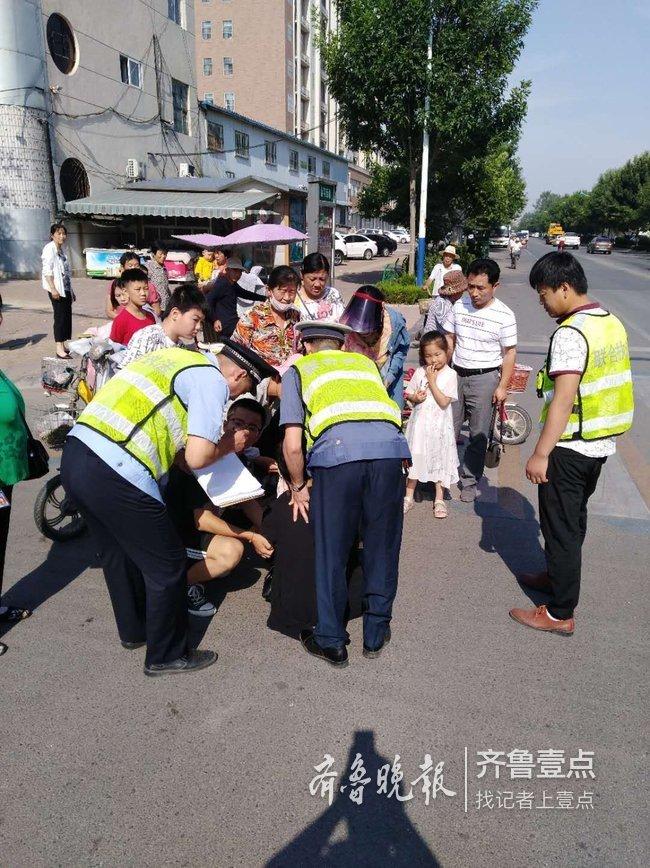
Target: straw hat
{"points": [[450, 250]]}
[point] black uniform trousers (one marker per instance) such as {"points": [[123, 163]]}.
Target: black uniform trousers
{"points": [[62, 308], [363, 497], [142, 556], [572, 479]]}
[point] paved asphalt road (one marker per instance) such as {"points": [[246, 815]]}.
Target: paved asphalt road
{"points": [[101, 766]]}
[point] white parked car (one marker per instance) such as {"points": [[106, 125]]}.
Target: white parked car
{"points": [[359, 247], [340, 250], [571, 240]]}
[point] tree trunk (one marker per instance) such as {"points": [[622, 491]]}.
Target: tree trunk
{"points": [[413, 230]]}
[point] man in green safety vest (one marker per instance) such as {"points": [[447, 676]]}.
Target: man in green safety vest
{"points": [[586, 386], [115, 461], [356, 453]]}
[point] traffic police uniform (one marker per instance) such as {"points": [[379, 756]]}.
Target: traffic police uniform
{"points": [[114, 461], [355, 454]]}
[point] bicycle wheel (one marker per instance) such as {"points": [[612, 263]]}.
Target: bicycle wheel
{"points": [[515, 428], [54, 515]]}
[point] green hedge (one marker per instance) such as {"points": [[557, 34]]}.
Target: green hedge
{"points": [[401, 290]]}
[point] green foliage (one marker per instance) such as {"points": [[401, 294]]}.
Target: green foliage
{"points": [[378, 73], [401, 290], [620, 200]]}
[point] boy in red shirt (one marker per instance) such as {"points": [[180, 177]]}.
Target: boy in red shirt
{"points": [[131, 317]]}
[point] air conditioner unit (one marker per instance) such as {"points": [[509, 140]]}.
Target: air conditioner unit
{"points": [[134, 170], [186, 170]]}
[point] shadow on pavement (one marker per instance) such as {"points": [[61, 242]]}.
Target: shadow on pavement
{"points": [[510, 528], [361, 277], [64, 563], [17, 343], [376, 832]]}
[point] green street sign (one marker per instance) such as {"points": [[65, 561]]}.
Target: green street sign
{"points": [[326, 192]]}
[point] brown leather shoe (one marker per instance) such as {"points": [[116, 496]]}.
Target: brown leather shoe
{"points": [[539, 619], [536, 581]]}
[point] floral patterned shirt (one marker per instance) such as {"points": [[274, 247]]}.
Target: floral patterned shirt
{"points": [[258, 330]]}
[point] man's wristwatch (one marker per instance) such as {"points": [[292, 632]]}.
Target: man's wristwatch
{"points": [[297, 487]]}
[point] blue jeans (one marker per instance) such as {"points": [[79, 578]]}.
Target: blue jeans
{"points": [[363, 497]]}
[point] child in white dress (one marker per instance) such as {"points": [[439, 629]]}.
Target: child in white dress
{"points": [[430, 430]]}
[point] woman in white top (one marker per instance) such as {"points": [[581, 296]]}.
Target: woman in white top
{"points": [[449, 257], [315, 299], [56, 280]]}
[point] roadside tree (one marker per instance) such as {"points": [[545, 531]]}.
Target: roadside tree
{"points": [[377, 67]]}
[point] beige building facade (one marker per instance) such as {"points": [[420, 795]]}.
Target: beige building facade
{"points": [[260, 58]]}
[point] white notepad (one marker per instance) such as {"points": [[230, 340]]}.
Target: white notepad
{"points": [[227, 482]]}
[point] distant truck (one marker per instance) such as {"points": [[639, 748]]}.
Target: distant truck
{"points": [[553, 231]]}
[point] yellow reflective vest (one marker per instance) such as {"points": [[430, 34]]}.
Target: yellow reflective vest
{"points": [[604, 404], [342, 387], [139, 410]]}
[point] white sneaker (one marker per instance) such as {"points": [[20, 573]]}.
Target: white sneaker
{"points": [[197, 602]]}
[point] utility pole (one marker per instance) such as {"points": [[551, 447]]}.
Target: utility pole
{"points": [[424, 179]]}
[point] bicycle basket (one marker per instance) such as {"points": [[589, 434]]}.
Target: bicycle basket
{"points": [[56, 374], [519, 379], [54, 426]]}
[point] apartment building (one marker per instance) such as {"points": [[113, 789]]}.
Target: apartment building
{"points": [[92, 96], [260, 58]]}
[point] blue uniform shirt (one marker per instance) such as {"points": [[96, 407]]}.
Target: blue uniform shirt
{"points": [[204, 392], [345, 442]]}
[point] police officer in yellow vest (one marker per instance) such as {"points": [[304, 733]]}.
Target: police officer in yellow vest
{"points": [[586, 385], [355, 455], [115, 460]]}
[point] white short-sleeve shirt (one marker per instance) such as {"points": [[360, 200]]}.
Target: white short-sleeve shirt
{"points": [[481, 334], [438, 273]]}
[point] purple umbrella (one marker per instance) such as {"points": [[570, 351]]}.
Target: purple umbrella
{"points": [[264, 233], [203, 239]]}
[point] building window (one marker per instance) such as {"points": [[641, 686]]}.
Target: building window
{"points": [[215, 136], [294, 161], [207, 66], [290, 107], [174, 11], [229, 101], [62, 44], [226, 29], [228, 67], [131, 71], [74, 180], [208, 97], [326, 169], [206, 30], [180, 100], [311, 165], [241, 144], [271, 153]]}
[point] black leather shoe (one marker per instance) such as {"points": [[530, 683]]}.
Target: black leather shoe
{"points": [[375, 652], [334, 656], [131, 646], [190, 662]]}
